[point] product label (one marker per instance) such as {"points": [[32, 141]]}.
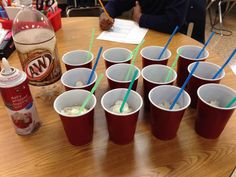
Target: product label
{"points": [[25, 120], [18, 97], [41, 66], [21, 109]]}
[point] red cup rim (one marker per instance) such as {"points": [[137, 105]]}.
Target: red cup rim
{"points": [[216, 85], [79, 64], [129, 58], [159, 83], [194, 59], [162, 59], [122, 115], [74, 116], [168, 110], [74, 87], [114, 80], [206, 79]]}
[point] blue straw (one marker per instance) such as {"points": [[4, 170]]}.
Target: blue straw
{"points": [[95, 65], [206, 44], [184, 85], [224, 65], [168, 42], [191, 73]]}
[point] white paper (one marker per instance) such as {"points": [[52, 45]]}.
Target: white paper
{"points": [[232, 64], [124, 31], [233, 67], [3, 33]]}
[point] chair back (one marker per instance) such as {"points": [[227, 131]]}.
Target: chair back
{"points": [[83, 11]]}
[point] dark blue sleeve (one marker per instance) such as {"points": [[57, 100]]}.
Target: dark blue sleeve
{"points": [[116, 7], [174, 14]]}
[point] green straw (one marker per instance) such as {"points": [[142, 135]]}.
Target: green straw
{"points": [[134, 54], [90, 94], [172, 66], [231, 103], [91, 42], [128, 91]]}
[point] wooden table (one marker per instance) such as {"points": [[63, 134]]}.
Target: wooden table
{"points": [[48, 153]]}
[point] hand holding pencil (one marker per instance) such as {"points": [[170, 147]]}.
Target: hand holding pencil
{"points": [[105, 20]]}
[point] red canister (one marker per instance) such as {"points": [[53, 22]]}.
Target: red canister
{"points": [[18, 99]]}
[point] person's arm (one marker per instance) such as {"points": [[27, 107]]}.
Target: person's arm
{"points": [[116, 7], [175, 14]]}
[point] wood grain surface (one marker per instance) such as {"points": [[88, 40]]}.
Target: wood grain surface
{"points": [[48, 153]]}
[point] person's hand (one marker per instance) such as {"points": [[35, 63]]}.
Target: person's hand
{"points": [[137, 12], [105, 22]]}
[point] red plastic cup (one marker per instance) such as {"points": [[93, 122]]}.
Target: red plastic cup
{"points": [[55, 19], [165, 122], [78, 59], [78, 128], [155, 75], [211, 119], [116, 76], [6, 24], [149, 55], [202, 75], [116, 56], [69, 79], [188, 56], [121, 127]]}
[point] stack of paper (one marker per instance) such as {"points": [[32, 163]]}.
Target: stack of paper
{"points": [[124, 31]]}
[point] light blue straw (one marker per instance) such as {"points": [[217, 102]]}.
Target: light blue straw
{"points": [[206, 44], [184, 85], [95, 65], [168, 42], [224, 65]]}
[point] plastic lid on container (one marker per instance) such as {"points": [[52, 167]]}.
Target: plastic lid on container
{"points": [[7, 69], [10, 76], [27, 19]]}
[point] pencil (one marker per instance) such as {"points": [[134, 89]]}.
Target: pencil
{"points": [[107, 14]]}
